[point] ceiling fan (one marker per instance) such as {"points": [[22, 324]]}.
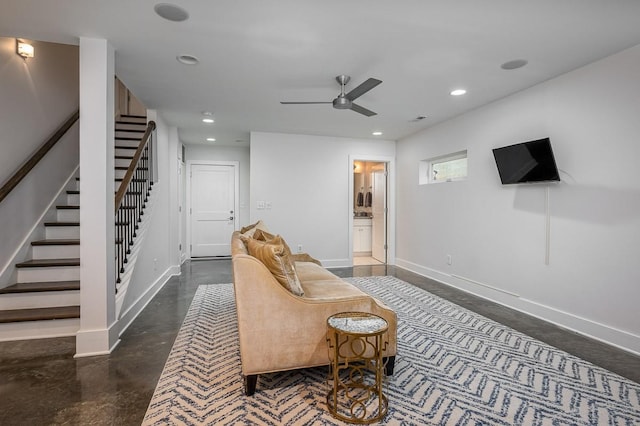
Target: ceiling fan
{"points": [[345, 100]]}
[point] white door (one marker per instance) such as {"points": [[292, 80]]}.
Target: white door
{"points": [[212, 209], [379, 212]]}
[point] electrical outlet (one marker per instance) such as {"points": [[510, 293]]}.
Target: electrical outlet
{"points": [[449, 261], [299, 248]]}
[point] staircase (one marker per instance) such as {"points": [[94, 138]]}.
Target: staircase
{"points": [[129, 130], [47, 286], [45, 299]]}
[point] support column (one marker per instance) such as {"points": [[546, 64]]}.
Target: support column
{"points": [[98, 332]]}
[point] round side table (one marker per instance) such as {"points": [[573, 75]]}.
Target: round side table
{"points": [[356, 342]]}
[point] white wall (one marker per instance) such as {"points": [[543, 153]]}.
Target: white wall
{"points": [[158, 259], [37, 96], [307, 181], [226, 153], [496, 234]]}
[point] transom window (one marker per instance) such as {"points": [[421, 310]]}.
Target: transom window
{"points": [[447, 168]]}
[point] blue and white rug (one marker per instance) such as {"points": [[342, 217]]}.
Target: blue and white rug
{"points": [[454, 367]]}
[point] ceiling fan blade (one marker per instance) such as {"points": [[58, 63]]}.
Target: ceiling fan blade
{"points": [[363, 88], [362, 110], [304, 103]]}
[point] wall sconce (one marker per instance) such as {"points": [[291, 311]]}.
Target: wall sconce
{"points": [[24, 49]]}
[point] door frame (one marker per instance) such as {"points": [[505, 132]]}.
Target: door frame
{"points": [[391, 203], [236, 195]]}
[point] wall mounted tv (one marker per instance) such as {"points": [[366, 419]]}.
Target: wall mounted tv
{"points": [[527, 162]]}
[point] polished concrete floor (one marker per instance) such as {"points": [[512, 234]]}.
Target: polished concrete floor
{"points": [[42, 384]]}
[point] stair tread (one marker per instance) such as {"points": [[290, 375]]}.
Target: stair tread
{"points": [[68, 207], [73, 191], [39, 314], [39, 287], [131, 130], [37, 263], [125, 147], [57, 242], [62, 224]]}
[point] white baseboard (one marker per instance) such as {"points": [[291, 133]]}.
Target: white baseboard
{"points": [[336, 263], [602, 332], [94, 342]]}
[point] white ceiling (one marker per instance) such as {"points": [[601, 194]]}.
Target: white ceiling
{"points": [[255, 53]]}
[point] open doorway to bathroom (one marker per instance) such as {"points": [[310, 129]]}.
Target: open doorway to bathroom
{"points": [[370, 186]]}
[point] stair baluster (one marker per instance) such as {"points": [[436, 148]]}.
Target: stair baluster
{"points": [[131, 199]]}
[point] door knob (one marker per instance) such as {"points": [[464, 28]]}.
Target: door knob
{"points": [[231, 218]]}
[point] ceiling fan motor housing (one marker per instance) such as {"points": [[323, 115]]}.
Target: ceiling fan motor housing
{"points": [[341, 102]]}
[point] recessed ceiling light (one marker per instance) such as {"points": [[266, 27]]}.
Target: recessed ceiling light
{"points": [[458, 92], [171, 12], [377, 133], [515, 64], [187, 59], [207, 120], [211, 139]]}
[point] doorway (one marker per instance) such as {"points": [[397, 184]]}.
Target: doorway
{"points": [[370, 219], [213, 205]]}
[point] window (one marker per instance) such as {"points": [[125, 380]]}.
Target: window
{"points": [[445, 168]]}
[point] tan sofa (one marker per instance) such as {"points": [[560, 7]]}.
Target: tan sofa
{"points": [[281, 331]]}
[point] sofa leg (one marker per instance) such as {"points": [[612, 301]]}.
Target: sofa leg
{"points": [[389, 362], [250, 382]]}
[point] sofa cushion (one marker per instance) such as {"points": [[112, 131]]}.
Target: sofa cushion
{"points": [[309, 271], [273, 255], [331, 289]]}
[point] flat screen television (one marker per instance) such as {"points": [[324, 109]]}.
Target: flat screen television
{"points": [[526, 162]]}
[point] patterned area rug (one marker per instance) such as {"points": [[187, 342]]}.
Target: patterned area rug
{"points": [[454, 367]]}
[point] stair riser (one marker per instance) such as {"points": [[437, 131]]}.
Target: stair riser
{"points": [[120, 151], [131, 126], [64, 232], [49, 299], [121, 162], [73, 199], [66, 215], [39, 329], [119, 174], [56, 252], [126, 142], [58, 273], [128, 134]]}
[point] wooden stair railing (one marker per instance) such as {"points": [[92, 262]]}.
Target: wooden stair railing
{"points": [[131, 198], [35, 158]]}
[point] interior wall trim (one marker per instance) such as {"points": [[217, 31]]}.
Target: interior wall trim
{"points": [[605, 333]]}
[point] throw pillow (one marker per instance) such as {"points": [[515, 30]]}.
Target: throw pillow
{"points": [[262, 235], [273, 255], [251, 229]]}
